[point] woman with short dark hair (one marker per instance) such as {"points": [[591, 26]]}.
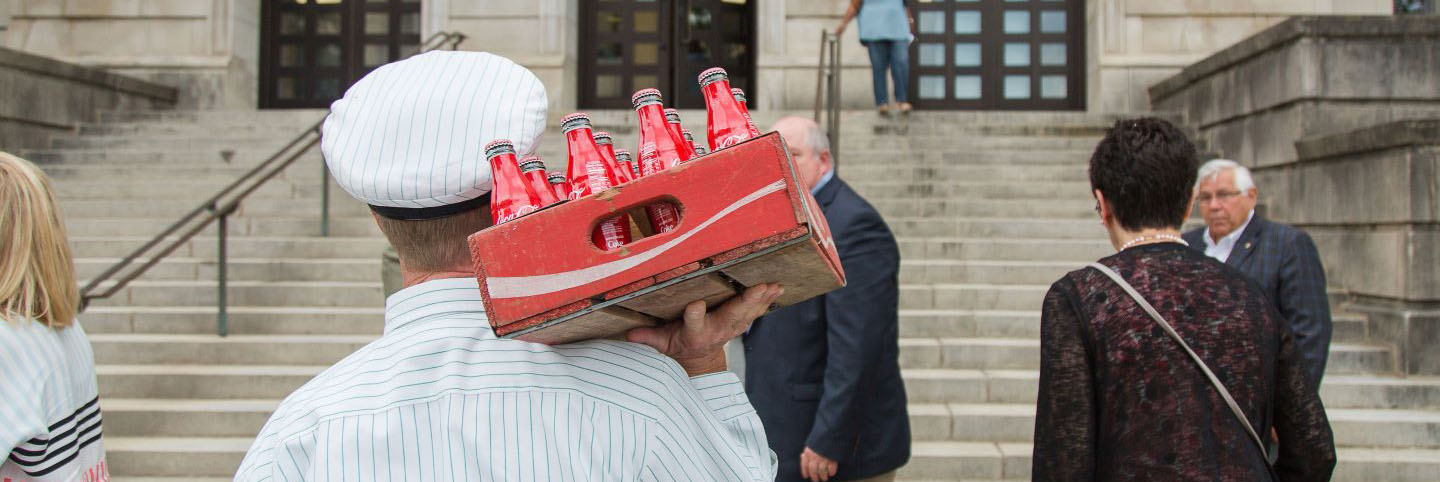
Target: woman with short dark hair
{"points": [[1159, 363]]}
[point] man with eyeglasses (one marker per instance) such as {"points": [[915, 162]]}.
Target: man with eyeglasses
{"points": [[1281, 258]]}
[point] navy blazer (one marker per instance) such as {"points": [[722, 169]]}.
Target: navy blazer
{"points": [[1284, 261], [825, 372]]}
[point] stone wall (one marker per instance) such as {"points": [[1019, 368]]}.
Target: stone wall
{"points": [[1136, 43], [1339, 117], [1371, 200], [1306, 77], [209, 49], [45, 96]]}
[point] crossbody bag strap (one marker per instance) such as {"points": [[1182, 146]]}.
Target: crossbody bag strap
{"points": [[1219, 387]]}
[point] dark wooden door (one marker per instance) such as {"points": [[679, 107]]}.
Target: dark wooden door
{"points": [[998, 54], [628, 45], [311, 51]]}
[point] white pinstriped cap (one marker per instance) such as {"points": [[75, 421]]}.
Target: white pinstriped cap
{"points": [[409, 138]]}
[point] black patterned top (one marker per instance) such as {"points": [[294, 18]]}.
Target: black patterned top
{"points": [[1121, 401]]}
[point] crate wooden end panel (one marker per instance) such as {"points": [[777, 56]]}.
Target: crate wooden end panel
{"points": [[738, 206]]}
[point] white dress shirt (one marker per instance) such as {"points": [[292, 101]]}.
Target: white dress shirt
{"points": [[438, 397], [1221, 250], [49, 405]]}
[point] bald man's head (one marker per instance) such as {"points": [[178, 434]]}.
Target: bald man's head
{"points": [[809, 148]]}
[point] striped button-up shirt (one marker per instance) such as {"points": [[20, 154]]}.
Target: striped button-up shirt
{"points": [[438, 397], [49, 405]]}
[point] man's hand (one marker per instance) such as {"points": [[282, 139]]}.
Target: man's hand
{"points": [[841, 29], [816, 467], [697, 342]]}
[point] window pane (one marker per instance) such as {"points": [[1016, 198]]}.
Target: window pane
{"points": [[646, 53], [697, 50], [1052, 21], [1052, 54], [967, 87], [699, 18], [327, 88], [285, 88], [647, 21], [327, 23], [644, 82], [1052, 86], [932, 55], [607, 86], [406, 50], [1017, 87], [608, 54], [967, 22], [932, 22], [1017, 55], [292, 24], [737, 52], [328, 55], [376, 54], [292, 55], [967, 55], [608, 22], [932, 87], [1017, 21], [410, 23], [377, 24]]}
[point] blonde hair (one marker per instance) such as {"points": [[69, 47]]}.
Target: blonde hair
{"points": [[37, 271]]}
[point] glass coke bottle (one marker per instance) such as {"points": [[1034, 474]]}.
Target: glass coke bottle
{"points": [[589, 173]]}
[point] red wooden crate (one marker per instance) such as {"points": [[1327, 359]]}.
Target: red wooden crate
{"points": [[744, 220]]}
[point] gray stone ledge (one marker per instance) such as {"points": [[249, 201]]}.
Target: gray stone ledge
{"points": [[54, 68], [1377, 137], [1294, 28]]}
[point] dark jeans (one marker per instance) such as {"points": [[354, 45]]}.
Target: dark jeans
{"points": [[895, 55]]}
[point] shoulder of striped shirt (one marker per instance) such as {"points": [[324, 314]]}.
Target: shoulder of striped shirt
{"points": [[295, 417]]}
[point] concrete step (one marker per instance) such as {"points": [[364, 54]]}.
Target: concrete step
{"points": [[1001, 422], [175, 456], [921, 271], [302, 224], [245, 269], [154, 348], [970, 461], [1052, 191], [153, 417], [190, 129], [938, 385], [182, 192], [946, 173], [238, 156], [1024, 353], [203, 173], [881, 159], [216, 117], [1348, 328], [1006, 228], [205, 247], [176, 207], [176, 381], [242, 320], [253, 293], [1009, 297], [261, 142], [1002, 249], [949, 207]]}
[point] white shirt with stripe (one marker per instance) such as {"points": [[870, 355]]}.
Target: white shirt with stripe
{"points": [[49, 405], [439, 397]]}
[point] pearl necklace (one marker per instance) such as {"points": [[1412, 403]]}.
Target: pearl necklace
{"points": [[1154, 237]]}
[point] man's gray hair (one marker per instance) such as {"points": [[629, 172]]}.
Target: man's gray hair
{"points": [[1243, 180], [819, 142]]}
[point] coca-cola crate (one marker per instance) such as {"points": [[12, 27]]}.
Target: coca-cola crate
{"points": [[744, 220]]}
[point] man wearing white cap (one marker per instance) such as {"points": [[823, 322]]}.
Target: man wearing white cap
{"points": [[438, 396]]}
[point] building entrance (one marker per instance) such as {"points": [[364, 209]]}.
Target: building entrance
{"points": [[312, 50], [998, 54], [628, 45]]}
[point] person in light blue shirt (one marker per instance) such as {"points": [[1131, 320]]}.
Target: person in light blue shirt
{"points": [[885, 32]]}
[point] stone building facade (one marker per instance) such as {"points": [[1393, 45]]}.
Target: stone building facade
{"points": [[217, 51]]}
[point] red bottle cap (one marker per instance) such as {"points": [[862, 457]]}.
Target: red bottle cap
{"points": [[713, 74], [645, 96]]}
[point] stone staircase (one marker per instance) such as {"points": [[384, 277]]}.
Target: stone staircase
{"points": [[989, 209]]}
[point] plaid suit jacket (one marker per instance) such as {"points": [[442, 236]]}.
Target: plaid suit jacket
{"points": [[1284, 261]]}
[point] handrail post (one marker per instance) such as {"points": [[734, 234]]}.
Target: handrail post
{"points": [[820, 73], [324, 200], [222, 318], [834, 96]]}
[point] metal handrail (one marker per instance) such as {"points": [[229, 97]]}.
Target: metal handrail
{"points": [[827, 89], [224, 203]]}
